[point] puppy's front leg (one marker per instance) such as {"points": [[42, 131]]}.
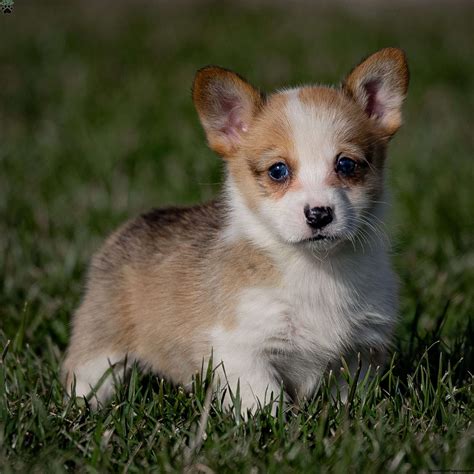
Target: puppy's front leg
{"points": [[261, 325], [249, 379], [358, 364]]}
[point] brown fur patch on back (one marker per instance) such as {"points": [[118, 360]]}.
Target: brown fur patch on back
{"points": [[159, 286]]}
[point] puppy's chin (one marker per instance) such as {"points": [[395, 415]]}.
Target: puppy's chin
{"points": [[322, 246], [318, 244]]}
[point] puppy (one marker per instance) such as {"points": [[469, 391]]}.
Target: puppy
{"points": [[278, 278]]}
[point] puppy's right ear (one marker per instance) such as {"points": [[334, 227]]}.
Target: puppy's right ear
{"points": [[227, 105]]}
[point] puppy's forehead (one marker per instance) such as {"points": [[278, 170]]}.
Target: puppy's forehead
{"points": [[313, 117]]}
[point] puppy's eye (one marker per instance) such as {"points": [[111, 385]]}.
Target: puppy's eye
{"points": [[345, 166], [279, 172]]}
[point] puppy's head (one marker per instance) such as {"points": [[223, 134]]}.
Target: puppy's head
{"points": [[308, 162]]}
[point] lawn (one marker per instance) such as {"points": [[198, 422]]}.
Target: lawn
{"points": [[97, 124]]}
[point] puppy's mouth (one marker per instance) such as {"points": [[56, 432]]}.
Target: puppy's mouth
{"points": [[321, 237]]}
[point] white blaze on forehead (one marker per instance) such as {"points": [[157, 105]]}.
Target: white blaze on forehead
{"points": [[313, 132]]}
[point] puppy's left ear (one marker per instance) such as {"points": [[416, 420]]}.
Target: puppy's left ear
{"points": [[379, 85]]}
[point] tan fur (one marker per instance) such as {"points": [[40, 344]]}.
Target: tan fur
{"points": [[267, 142], [143, 301]]}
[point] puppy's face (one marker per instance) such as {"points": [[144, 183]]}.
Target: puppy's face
{"points": [[307, 161]]}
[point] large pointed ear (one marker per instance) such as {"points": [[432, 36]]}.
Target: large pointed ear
{"points": [[379, 85], [227, 105]]}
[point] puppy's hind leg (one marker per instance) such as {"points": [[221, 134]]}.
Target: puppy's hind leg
{"points": [[95, 377]]}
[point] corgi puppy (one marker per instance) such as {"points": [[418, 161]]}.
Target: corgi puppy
{"points": [[280, 277]]}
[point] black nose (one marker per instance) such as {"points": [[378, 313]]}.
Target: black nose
{"points": [[318, 217]]}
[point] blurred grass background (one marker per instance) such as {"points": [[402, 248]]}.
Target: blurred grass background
{"points": [[97, 124]]}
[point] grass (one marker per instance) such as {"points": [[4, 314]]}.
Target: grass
{"points": [[96, 124]]}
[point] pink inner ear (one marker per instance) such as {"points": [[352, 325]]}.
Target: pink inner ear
{"points": [[232, 111], [374, 107]]}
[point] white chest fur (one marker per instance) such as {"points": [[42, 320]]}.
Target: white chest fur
{"points": [[321, 311]]}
